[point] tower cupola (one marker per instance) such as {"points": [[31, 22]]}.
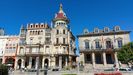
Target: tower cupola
{"points": [[60, 17]]}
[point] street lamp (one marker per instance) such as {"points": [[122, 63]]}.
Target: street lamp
{"points": [[37, 59]]}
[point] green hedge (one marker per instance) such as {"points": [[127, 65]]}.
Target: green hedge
{"points": [[3, 69]]}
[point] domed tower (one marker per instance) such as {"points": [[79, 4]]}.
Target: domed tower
{"points": [[63, 40], [60, 18]]}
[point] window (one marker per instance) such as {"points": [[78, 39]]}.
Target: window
{"points": [[64, 40], [57, 40], [42, 25], [30, 32], [97, 44], [63, 31], [88, 58], [106, 29], [38, 32], [64, 49], [86, 31], [96, 30], [108, 44], [87, 45], [33, 32], [31, 26], [57, 32], [117, 28], [119, 43], [41, 32]]}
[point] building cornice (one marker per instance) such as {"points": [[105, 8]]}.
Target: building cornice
{"points": [[103, 33]]}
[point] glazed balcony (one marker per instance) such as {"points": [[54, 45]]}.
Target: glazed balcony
{"points": [[83, 49], [34, 53]]}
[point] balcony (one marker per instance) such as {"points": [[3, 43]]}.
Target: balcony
{"points": [[34, 53], [61, 53], [83, 50], [48, 42], [34, 45], [62, 44]]}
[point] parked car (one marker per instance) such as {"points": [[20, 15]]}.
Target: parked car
{"points": [[55, 69], [124, 69]]}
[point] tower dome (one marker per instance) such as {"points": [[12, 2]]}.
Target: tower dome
{"points": [[61, 16]]}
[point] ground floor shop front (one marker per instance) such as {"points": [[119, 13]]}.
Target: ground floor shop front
{"points": [[32, 62]]}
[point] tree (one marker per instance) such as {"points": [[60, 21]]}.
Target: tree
{"points": [[125, 54], [3, 69]]}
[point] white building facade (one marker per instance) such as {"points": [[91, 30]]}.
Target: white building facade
{"points": [[98, 49], [3, 40], [53, 46]]}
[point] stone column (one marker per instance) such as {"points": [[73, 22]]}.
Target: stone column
{"points": [[66, 61], [116, 60], [23, 63], [104, 59], [15, 64], [49, 62], [3, 59], [93, 59], [70, 60], [37, 63], [43, 62], [60, 62], [53, 61], [30, 63]]}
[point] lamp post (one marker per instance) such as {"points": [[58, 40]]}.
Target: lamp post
{"points": [[37, 59]]}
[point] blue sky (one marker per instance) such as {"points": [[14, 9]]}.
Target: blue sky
{"points": [[82, 13]]}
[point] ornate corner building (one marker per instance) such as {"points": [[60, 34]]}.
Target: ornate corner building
{"points": [[98, 49], [55, 45], [44, 44]]}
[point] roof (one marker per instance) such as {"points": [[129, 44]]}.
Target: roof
{"points": [[61, 15], [103, 33]]}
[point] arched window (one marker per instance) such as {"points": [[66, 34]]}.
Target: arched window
{"points": [[57, 31], [30, 32], [33, 26], [64, 31], [38, 32], [33, 32], [41, 32]]}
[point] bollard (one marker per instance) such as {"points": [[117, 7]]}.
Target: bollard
{"points": [[45, 69], [45, 72]]}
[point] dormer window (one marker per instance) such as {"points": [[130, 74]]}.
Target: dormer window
{"points": [[106, 29], [86, 31], [96, 30], [117, 28]]}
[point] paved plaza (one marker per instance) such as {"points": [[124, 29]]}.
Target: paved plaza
{"points": [[49, 73], [61, 73]]}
